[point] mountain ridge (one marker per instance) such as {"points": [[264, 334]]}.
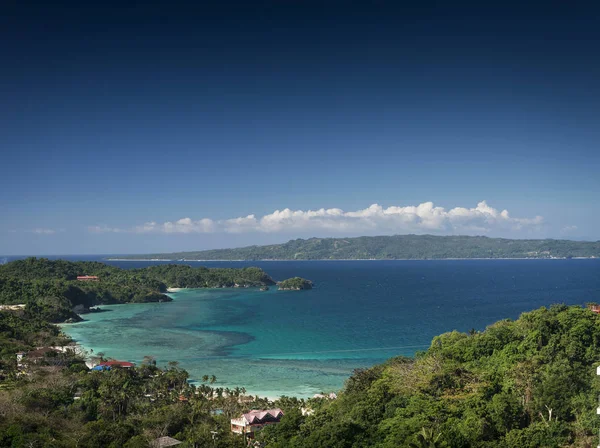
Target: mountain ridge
{"points": [[395, 247]]}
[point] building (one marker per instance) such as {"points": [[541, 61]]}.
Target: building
{"points": [[330, 396], [595, 308], [163, 442], [41, 356], [87, 278], [107, 365], [38, 355], [18, 307], [252, 421]]}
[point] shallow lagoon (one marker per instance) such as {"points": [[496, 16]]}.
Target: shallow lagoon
{"points": [[360, 313]]}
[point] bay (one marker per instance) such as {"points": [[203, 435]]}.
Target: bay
{"points": [[358, 314]]}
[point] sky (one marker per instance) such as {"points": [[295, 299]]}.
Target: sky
{"points": [[169, 126]]}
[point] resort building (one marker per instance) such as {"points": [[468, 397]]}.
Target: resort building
{"points": [[330, 396], [595, 308], [38, 355], [18, 307], [107, 365], [252, 421], [87, 278]]}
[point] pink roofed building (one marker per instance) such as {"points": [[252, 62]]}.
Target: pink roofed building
{"points": [[87, 278], [253, 421]]}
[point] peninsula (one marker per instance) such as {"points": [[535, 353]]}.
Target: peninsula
{"points": [[397, 247], [59, 290]]}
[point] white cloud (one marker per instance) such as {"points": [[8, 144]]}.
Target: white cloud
{"points": [[567, 230], [42, 231], [104, 229], [423, 218], [183, 225]]}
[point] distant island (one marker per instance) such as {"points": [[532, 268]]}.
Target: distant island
{"points": [[59, 290], [397, 247], [294, 284]]}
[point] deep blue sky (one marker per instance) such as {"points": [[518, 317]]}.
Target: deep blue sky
{"points": [[112, 117]]}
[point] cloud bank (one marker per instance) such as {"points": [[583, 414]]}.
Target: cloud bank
{"points": [[423, 218], [42, 231]]}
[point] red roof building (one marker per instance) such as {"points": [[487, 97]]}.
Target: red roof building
{"points": [[124, 364]]}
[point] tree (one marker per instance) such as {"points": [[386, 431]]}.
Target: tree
{"points": [[427, 438]]}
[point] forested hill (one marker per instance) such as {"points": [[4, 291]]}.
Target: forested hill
{"points": [[518, 384], [52, 285], [411, 247]]}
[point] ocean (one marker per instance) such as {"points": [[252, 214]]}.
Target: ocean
{"points": [[359, 313]]}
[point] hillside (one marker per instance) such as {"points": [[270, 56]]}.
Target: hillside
{"points": [[52, 285], [411, 247], [525, 383]]}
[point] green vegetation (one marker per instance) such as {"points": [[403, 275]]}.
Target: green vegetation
{"points": [[182, 276], [52, 286], [525, 383], [295, 284], [56, 402], [411, 247]]}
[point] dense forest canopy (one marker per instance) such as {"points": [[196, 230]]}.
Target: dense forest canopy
{"points": [[410, 247], [52, 285]]}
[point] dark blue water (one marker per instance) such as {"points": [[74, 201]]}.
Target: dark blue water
{"points": [[358, 314]]}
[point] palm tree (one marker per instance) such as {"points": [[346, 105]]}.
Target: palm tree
{"points": [[427, 439]]}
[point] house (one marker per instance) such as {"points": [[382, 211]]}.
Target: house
{"points": [[594, 307], [331, 396], [45, 356], [40, 354], [107, 365], [87, 278], [166, 441], [17, 307], [252, 421], [20, 356]]}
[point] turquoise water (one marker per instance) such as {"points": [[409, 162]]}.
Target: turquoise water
{"points": [[360, 313]]}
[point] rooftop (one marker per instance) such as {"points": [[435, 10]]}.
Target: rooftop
{"points": [[164, 442], [258, 416]]}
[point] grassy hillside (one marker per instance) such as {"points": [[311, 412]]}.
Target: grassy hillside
{"points": [[418, 247]]}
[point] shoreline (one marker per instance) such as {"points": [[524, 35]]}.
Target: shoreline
{"points": [[86, 352]]}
